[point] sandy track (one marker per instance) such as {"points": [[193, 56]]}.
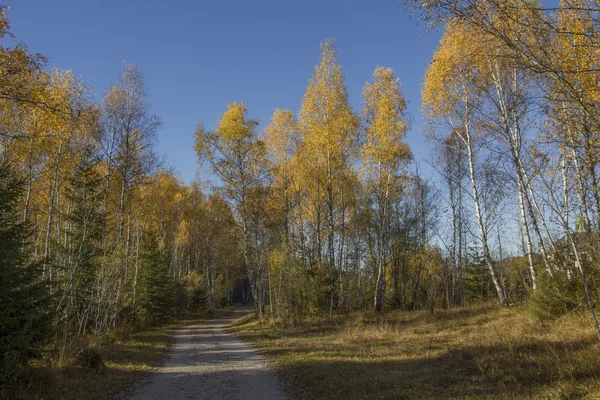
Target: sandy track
{"points": [[208, 362]]}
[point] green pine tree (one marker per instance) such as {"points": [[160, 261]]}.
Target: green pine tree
{"points": [[82, 248], [25, 302], [477, 283], [159, 300]]}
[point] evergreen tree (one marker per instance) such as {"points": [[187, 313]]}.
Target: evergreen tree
{"points": [[83, 245], [159, 300], [25, 317], [478, 285]]}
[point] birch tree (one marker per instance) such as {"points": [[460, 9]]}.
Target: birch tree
{"points": [[384, 154], [451, 95], [235, 155], [329, 130]]}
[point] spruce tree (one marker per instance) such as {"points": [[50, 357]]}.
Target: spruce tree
{"points": [[160, 299], [25, 316], [82, 248]]}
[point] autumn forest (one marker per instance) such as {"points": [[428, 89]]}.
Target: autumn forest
{"points": [[324, 211]]}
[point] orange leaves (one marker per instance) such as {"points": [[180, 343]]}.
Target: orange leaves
{"points": [[183, 235], [329, 133]]}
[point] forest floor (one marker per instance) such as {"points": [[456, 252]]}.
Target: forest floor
{"points": [[129, 355], [475, 352]]}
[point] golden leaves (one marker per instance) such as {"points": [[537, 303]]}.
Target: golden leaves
{"points": [[577, 50], [326, 118], [384, 112], [281, 136], [202, 142], [454, 65], [235, 125]]}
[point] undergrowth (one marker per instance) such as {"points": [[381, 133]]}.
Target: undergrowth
{"points": [[127, 355]]}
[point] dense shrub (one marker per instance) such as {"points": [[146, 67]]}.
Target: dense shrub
{"points": [[556, 296]]}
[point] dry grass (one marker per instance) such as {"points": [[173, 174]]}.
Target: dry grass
{"points": [[130, 355], [476, 352]]}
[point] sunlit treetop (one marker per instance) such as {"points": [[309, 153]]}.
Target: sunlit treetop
{"points": [[458, 60], [281, 136], [325, 114], [235, 124], [386, 119]]}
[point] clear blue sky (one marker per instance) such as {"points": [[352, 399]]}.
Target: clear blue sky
{"points": [[197, 56]]}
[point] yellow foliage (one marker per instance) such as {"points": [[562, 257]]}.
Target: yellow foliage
{"points": [[183, 234], [235, 125], [384, 151], [280, 137], [329, 126]]}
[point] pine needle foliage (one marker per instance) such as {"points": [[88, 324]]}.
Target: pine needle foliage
{"points": [[25, 316]]}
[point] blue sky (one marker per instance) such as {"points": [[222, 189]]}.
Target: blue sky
{"points": [[197, 56]]}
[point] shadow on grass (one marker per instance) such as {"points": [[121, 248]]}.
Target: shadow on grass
{"points": [[530, 370], [416, 355]]}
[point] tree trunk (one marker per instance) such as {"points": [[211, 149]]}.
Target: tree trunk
{"points": [[51, 211], [482, 232]]}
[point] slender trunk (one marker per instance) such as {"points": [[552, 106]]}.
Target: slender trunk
{"points": [[580, 189], [330, 236], [51, 211], [382, 246], [270, 291], [122, 206], [29, 182], [526, 236], [590, 152], [563, 170], [511, 123], [482, 231]]}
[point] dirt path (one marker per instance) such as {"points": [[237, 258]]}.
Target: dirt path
{"points": [[208, 362]]}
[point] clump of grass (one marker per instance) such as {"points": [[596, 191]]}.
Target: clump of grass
{"points": [[475, 352]]}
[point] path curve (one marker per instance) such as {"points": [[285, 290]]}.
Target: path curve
{"points": [[206, 361]]}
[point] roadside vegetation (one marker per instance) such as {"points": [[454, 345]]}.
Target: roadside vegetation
{"points": [[94, 369], [474, 352], [98, 241]]}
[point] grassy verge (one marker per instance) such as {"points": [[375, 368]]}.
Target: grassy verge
{"points": [[128, 357], [475, 352]]}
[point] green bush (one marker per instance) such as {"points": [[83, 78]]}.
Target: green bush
{"points": [[556, 296]]}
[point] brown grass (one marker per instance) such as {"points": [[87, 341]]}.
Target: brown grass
{"points": [[128, 356], [476, 352]]}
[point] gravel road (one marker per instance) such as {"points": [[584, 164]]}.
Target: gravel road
{"points": [[208, 362]]}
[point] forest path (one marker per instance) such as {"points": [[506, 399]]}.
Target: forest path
{"points": [[206, 361]]}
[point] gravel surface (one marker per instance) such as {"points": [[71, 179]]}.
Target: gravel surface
{"points": [[208, 362]]}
